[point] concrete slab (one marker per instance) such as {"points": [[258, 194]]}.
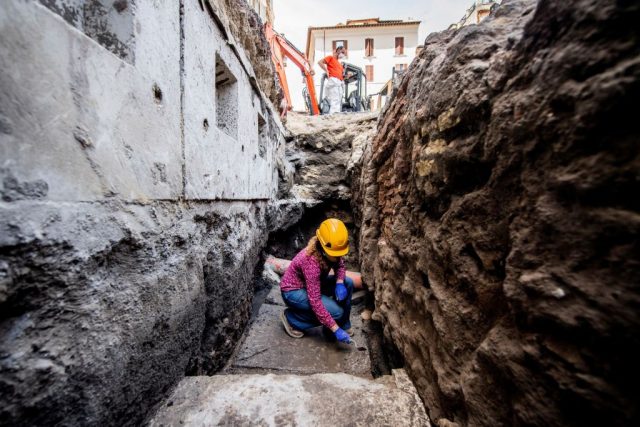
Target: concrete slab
{"points": [[268, 348], [292, 400]]}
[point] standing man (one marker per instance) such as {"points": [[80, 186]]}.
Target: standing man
{"points": [[335, 85]]}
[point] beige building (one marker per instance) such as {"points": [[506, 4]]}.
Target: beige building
{"points": [[264, 8], [478, 11], [377, 46]]}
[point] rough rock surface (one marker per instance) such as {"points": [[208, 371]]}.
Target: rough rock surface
{"points": [[322, 155], [500, 217], [94, 299], [324, 150]]}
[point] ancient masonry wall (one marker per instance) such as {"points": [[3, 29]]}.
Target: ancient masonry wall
{"points": [[138, 160]]}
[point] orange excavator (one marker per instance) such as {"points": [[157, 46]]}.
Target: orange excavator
{"points": [[281, 48]]}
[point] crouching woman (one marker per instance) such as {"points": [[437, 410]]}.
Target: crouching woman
{"points": [[313, 297]]}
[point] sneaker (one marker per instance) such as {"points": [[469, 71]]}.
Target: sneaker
{"points": [[293, 333]]}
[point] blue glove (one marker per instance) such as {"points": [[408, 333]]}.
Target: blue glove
{"points": [[341, 291], [342, 336]]}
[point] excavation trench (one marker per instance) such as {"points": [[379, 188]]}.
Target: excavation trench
{"points": [[323, 154], [371, 356], [383, 354], [494, 200]]}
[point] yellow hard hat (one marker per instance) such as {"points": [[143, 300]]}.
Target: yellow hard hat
{"points": [[333, 237]]}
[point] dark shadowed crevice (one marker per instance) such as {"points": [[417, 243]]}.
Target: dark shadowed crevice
{"points": [[287, 243]]}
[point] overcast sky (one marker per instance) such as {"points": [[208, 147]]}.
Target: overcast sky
{"points": [[293, 17]]}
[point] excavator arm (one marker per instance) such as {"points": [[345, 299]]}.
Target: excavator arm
{"points": [[281, 48]]}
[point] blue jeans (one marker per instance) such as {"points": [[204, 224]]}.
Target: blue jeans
{"points": [[301, 316]]}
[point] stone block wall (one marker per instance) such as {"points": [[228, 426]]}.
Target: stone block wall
{"points": [[130, 220]]}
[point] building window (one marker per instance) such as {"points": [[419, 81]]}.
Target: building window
{"points": [[369, 72], [368, 47], [401, 67], [226, 99], [341, 43], [399, 45]]}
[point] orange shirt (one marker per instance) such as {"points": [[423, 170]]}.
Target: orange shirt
{"points": [[334, 67]]}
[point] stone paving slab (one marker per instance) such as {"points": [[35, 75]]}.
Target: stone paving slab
{"points": [[293, 400], [267, 347]]}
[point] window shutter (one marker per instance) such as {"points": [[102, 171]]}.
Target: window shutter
{"points": [[369, 72], [368, 47], [346, 48], [333, 46], [399, 45]]}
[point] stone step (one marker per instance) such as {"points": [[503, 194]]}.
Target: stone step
{"points": [[293, 400]]}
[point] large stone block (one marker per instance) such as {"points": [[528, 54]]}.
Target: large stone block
{"points": [[231, 138], [112, 285], [83, 121]]}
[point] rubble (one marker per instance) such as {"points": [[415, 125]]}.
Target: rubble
{"points": [[324, 151]]}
